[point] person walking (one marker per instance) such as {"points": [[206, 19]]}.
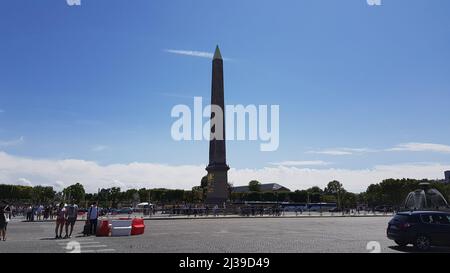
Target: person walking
{"points": [[28, 211], [216, 207], [5, 216], [46, 212], [93, 217], [71, 218], [8, 213], [3, 223], [33, 213], [39, 212], [60, 221]]}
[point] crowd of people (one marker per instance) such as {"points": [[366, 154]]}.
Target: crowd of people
{"points": [[32, 213], [191, 209], [261, 211], [66, 216], [205, 210]]}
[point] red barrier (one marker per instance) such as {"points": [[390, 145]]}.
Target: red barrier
{"points": [[137, 226], [104, 229]]}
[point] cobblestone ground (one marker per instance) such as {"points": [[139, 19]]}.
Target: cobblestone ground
{"points": [[326, 234]]}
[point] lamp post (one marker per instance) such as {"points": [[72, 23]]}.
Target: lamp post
{"points": [[307, 203]]}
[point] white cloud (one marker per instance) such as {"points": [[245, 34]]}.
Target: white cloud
{"points": [[24, 182], [192, 53], [301, 163], [342, 151], [62, 173], [8, 143], [99, 148], [202, 54], [405, 147], [421, 147]]}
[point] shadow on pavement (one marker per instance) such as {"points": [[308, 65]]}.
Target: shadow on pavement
{"points": [[411, 249], [48, 239]]}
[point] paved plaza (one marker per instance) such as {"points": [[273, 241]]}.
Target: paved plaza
{"points": [[219, 235]]}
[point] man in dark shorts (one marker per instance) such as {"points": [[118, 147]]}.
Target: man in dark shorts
{"points": [[71, 218]]}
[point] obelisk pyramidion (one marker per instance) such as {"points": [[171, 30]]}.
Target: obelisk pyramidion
{"points": [[217, 168]]}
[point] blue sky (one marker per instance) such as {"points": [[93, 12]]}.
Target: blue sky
{"points": [[95, 82]]}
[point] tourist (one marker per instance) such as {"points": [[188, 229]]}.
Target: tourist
{"points": [[3, 222], [93, 217], [28, 212], [71, 218], [51, 211], [195, 210], [39, 212], [8, 213], [33, 213], [60, 221], [46, 212]]}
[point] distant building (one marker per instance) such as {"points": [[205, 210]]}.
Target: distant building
{"points": [[270, 187], [447, 177]]}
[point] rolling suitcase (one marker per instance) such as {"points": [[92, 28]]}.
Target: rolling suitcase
{"points": [[87, 228]]}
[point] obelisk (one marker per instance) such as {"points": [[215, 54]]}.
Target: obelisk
{"points": [[217, 167]]}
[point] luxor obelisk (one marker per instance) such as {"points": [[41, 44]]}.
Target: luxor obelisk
{"points": [[217, 167]]}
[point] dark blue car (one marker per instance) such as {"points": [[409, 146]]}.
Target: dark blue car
{"points": [[423, 229]]}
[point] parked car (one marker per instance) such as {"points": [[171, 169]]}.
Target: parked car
{"points": [[423, 229], [121, 211]]}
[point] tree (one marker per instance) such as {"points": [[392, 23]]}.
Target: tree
{"points": [[349, 200], [230, 189], [254, 185], [314, 194], [15, 192], [268, 196], [315, 189], [43, 194], [204, 186], [144, 194], [104, 197], [282, 196], [253, 196], [198, 194], [115, 196], [130, 195], [204, 182], [335, 188], [74, 192]]}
